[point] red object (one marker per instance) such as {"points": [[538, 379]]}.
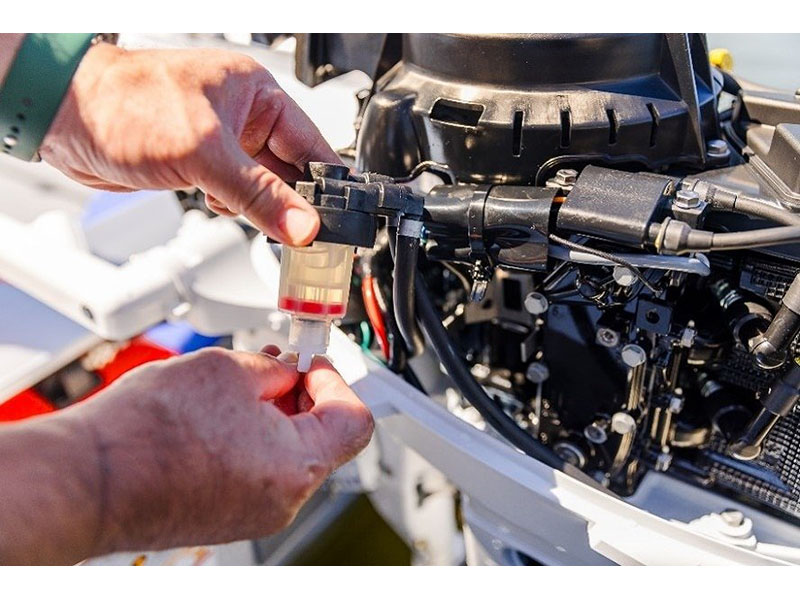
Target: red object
{"points": [[25, 404], [311, 307], [374, 313], [138, 352]]}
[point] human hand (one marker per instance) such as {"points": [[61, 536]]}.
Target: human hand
{"points": [[195, 450], [172, 119]]}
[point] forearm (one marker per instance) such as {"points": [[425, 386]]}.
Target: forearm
{"points": [[9, 44], [51, 491]]}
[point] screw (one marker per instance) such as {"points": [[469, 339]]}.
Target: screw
{"points": [[717, 147], [633, 355], [10, 140], [535, 303], [624, 276], [537, 372], [596, 432], [607, 337], [732, 517], [675, 402], [687, 199], [566, 176], [622, 423], [663, 461]]}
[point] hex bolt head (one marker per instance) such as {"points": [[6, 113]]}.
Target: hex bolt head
{"points": [[607, 337], [595, 433], [566, 176], [717, 147], [536, 303], [633, 355], [663, 461], [686, 199], [622, 423], [537, 372], [624, 276]]}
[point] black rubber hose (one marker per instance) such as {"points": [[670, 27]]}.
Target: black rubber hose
{"points": [[405, 269], [471, 389], [762, 210], [759, 238]]}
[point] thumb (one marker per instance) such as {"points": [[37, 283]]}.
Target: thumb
{"points": [[245, 187], [338, 423]]}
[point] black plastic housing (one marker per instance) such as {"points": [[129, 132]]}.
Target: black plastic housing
{"points": [[614, 205], [511, 108]]}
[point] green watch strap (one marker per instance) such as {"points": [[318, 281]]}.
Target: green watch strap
{"points": [[35, 86]]}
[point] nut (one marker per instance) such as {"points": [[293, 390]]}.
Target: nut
{"points": [[536, 303]]}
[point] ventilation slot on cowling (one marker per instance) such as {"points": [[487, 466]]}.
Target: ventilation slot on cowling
{"points": [[566, 127], [654, 123], [516, 141], [613, 126], [458, 113]]}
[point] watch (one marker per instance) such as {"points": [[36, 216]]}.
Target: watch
{"points": [[35, 86]]}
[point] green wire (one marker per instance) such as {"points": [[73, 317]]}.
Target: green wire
{"points": [[366, 335]]}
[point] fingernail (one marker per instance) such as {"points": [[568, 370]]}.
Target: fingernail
{"points": [[288, 357], [299, 224]]}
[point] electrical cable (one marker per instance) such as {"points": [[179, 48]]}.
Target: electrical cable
{"points": [[758, 208], [759, 238], [471, 389], [374, 313]]}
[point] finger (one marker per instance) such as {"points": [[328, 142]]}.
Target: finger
{"points": [[289, 173], [304, 402], [288, 132], [339, 424], [271, 377], [296, 140], [216, 206], [246, 187], [271, 349]]}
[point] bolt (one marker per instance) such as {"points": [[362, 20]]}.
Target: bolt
{"points": [[633, 355], [570, 453], [536, 303], [624, 276], [537, 372], [607, 337], [717, 148], [686, 199], [622, 423], [663, 461], [566, 176], [596, 432], [10, 140], [732, 517], [675, 402]]}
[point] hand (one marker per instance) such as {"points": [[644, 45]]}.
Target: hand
{"points": [[172, 119], [195, 450]]}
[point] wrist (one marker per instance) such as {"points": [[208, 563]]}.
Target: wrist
{"points": [[49, 492], [81, 92]]}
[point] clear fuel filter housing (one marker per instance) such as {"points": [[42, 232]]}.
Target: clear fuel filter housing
{"points": [[314, 288]]}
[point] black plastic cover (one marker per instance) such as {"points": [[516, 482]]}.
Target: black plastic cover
{"points": [[512, 108], [614, 205]]}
